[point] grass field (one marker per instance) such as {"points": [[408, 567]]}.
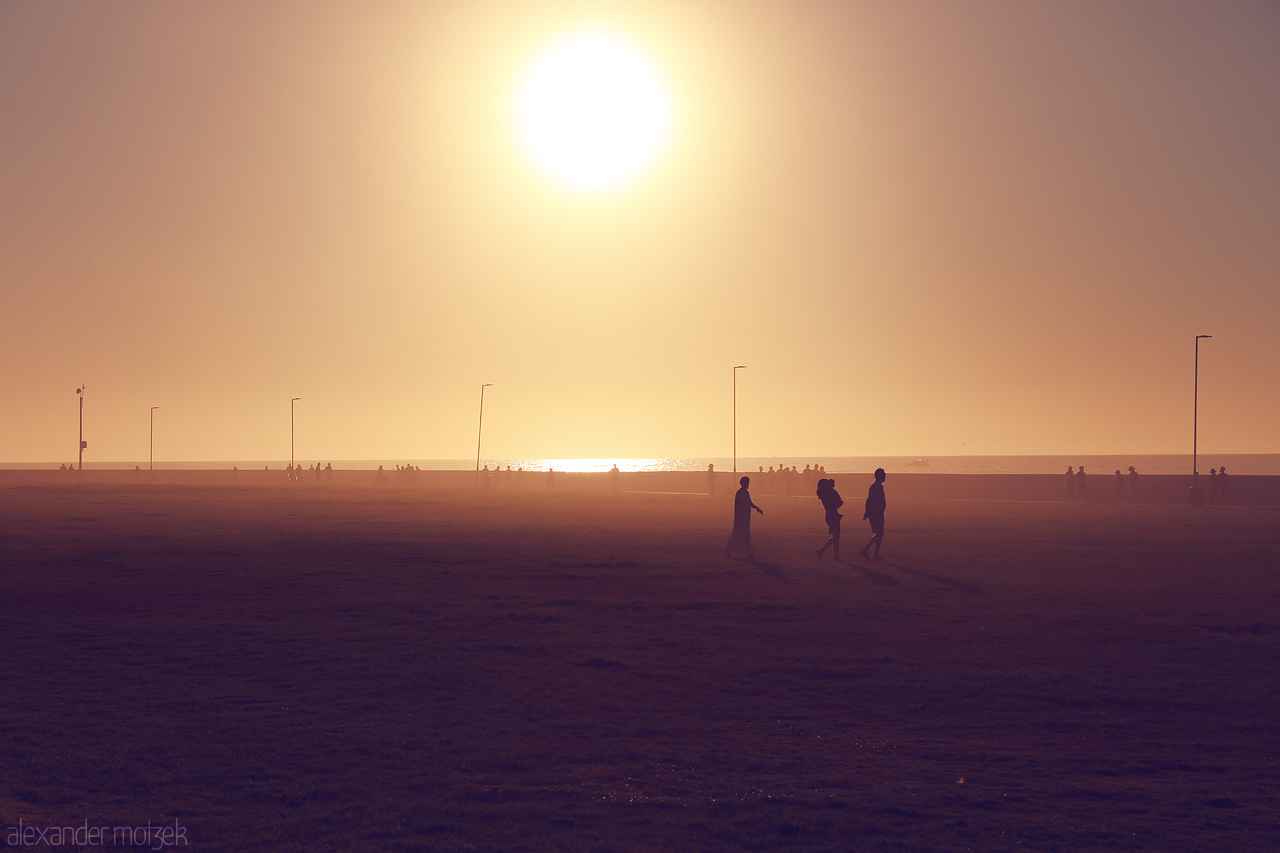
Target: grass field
{"points": [[309, 670]]}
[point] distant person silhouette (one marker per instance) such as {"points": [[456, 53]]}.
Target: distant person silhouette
{"points": [[1071, 484], [711, 479], [328, 473], [380, 478], [831, 502], [740, 538], [1224, 485], [614, 474], [1215, 494], [62, 467], [875, 515], [1119, 486], [1133, 483], [1082, 488]]}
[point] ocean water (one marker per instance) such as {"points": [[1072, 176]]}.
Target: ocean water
{"points": [[1239, 463], [1236, 463]]}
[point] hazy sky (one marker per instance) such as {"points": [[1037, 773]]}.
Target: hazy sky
{"points": [[934, 227]]}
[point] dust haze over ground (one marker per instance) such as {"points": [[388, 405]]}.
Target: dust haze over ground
{"points": [[340, 669]]}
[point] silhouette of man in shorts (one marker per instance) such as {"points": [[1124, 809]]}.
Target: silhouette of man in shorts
{"points": [[875, 515]]}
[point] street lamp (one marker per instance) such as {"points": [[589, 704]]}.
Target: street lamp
{"points": [[736, 368], [291, 402], [152, 463], [1196, 498], [80, 393], [480, 430]]}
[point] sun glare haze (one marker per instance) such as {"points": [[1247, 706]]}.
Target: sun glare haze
{"points": [[592, 111], [930, 228]]}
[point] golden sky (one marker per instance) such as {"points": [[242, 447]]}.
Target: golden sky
{"points": [[990, 227]]}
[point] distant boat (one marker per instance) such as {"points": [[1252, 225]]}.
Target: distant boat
{"points": [[922, 462]]}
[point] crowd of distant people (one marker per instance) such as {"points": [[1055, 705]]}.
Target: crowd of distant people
{"points": [[314, 473], [1218, 490], [500, 477], [782, 481]]}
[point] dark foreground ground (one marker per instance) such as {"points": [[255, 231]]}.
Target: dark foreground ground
{"points": [[351, 670]]}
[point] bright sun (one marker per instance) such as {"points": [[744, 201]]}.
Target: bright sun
{"points": [[592, 112]]}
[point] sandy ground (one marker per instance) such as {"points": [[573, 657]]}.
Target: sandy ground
{"points": [[276, 669]]}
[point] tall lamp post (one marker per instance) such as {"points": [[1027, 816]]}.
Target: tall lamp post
{"points": [[80, 394], [1196, 498], [291, 402], [736, 368], [480, 430], [151, 464]]}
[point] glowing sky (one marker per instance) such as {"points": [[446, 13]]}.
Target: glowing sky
{"points": [[988, 227]]}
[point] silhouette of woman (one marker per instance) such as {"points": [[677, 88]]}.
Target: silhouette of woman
{"points": [[740, 538], [831, 502]]}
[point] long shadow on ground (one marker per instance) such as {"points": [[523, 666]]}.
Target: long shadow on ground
{"points": [[916, 573], [872, 575]]}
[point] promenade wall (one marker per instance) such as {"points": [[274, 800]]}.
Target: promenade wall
{"points": [[1245, 490]]}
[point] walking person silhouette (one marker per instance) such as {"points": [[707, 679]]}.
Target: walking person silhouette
{"points": [[831, 502], [875, 515], [740, 538]]}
